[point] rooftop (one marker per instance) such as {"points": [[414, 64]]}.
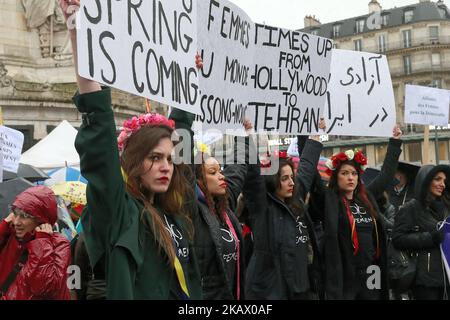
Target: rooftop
{"points": [[423, 11]]}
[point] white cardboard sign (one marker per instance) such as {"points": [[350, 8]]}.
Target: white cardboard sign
{"points": [[11, 142], [427, 106], [360, 98]]}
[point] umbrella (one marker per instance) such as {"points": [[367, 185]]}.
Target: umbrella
{"points": [[26, 171], [64, 174], [64, 224], [369, 175], [8, 192], [71, 191]]}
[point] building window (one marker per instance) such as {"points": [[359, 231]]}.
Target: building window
{"points": [[28, 133], [336, 30], [408, 16], [407, 64], [315, 32], [358, 44], [415, 152], [384, 20], [435, 59], [434, 33], [407, 38], [382, 43], [360, 25], [436, 83], [443, 151]]}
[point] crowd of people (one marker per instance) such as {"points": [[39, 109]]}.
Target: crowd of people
{"points": [[154, 228]]}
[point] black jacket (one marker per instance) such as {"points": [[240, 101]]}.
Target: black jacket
{"points": [[208, 242], [277, 270], [415, 230], [340, 271], [400, 198], [207, 238]]}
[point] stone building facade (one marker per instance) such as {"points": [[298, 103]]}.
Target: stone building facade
{"points": [[37, 79], [416, 41]]}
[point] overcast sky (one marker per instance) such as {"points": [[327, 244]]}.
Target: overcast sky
{"points": [[289, 14]]}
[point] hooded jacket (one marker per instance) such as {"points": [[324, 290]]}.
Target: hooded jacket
{"points": [[415, 229], [44, 274]]}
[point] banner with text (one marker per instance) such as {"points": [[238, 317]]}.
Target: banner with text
{"points": [[275, 77], [11, 142], [427, 106], [146, 48], [360, 99]]}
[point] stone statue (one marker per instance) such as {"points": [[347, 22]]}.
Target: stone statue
{"points": [[47, 17]]}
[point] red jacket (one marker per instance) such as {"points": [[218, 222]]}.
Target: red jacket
{"points": [[44, 274]]}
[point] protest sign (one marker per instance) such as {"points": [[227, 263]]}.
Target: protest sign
{"points": [[146, 48], [275, 77], [11, 142], [360, 99], [427, 106]]}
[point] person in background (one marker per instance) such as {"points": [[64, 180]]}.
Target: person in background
{"points": [[33, 259], [418, 230]]}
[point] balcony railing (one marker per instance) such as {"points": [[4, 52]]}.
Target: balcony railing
{"points": [[419, 68], [413, 43]]}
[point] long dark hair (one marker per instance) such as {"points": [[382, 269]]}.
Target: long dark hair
{"points": [[216, 204], [360, 193], [273, 182], [138, 147]]}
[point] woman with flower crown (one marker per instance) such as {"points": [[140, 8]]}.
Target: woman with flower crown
{"points": [[354, 239], [137, 217]]}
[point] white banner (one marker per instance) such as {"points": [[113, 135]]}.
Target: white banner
{"points": [[11, 142], [427, 106], [275, 77], [146, 48], [361, 98]]}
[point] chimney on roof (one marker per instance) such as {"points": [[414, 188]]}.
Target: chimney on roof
{"points": [[311, 21], [374, 6], [420, 1]]}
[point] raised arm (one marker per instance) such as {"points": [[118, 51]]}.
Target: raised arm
{"points": [[255, 189], [69, 8], [309, 152], [96, 143], [385, 177], [236, 173]]}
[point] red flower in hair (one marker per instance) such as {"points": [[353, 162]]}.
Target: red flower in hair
{"points": [[360, 158], [282, 154]]}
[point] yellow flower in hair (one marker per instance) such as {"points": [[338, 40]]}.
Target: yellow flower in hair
{"points": [[201, 147]]}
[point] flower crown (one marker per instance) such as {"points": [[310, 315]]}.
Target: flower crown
{"points": [[336, 160], [134, 124]]}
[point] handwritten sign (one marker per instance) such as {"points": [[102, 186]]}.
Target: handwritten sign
{"points": [[277, 78], [11, 142], [360, 100], [143, 47], [425, 105]]}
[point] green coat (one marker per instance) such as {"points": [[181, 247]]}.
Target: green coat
{"points": [[135, 268]]}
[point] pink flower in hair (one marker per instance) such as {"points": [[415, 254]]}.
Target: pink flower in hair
{"points": [[133, 125]]}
